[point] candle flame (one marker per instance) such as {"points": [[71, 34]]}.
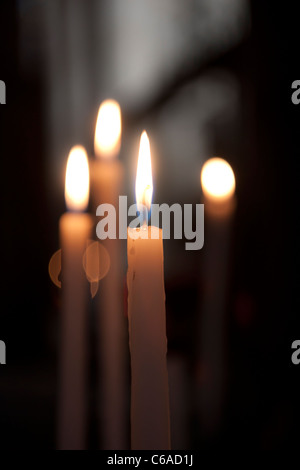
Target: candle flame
{"points": [[108, 130], [77, 179], [143, 182], [217, 179]]}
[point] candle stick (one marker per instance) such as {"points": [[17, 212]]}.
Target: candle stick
{"points": [[75, 227], [107, 178], [218, 186], [150, 426]]}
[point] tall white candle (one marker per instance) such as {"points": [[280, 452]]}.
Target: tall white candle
{"points": [[74, 227], [150, 422], [107, 179], [218, 186]]}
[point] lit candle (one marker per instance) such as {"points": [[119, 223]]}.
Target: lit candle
{"points": [[150, 424], [218, 187], [107, 141], [75, 227], [106, 179]]}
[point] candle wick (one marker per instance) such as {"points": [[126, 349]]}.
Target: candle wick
{"points": [[145, 201]]}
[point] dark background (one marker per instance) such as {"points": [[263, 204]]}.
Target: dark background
{"points": [[262, 407]]}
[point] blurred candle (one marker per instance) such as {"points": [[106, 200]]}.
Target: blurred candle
{"points": [[107, 180], [218, 187], [75, 227], [107, 141], [150, 424]]}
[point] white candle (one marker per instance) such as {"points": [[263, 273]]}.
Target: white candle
{"points": [[107, 179], [150, 423], [218, 186], [75, 227]]}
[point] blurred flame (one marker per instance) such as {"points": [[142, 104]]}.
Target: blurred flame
{"points": [[96, 264], [108, 130], [77, 184], [217, 179], [54, 268], [143, 182], [96, 261]]}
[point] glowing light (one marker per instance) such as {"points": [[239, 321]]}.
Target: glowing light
{"points": [[96, 262], [108, 130], [217, 179], [54, 268], [77, 180], [143, 182]]}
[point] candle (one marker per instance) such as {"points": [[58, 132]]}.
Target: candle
{"points": [[218, 186], [150, 426], [106, 170], [107, 141], [106, 179], [75, 227]]}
